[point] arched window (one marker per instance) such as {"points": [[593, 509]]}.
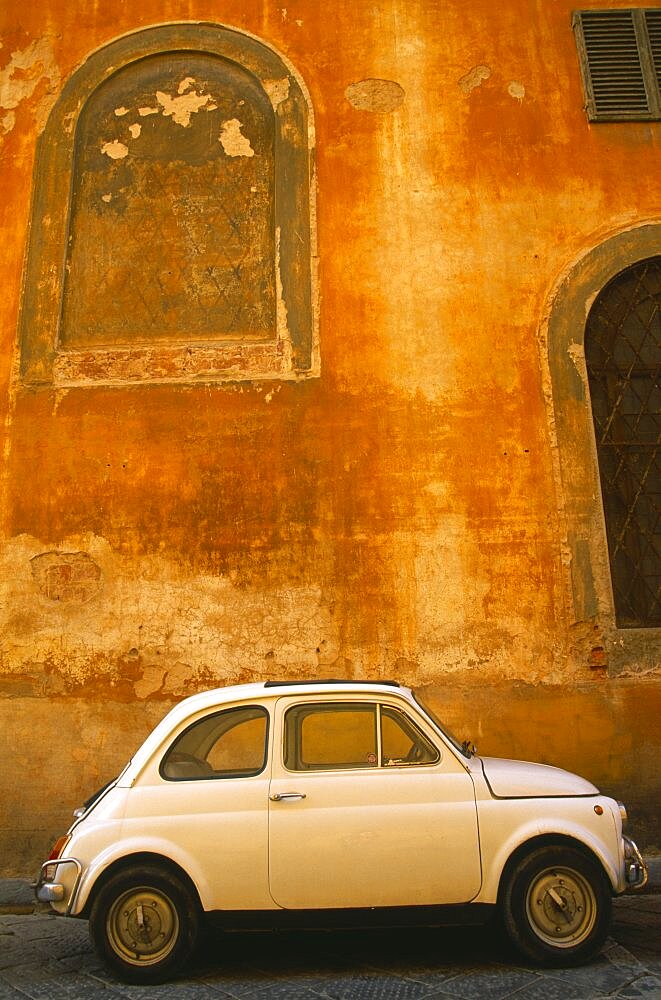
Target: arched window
{"points": [[604, 298], [171, 233], [623, 357]]}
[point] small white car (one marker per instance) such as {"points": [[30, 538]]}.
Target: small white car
{"points": [[320, 800]]}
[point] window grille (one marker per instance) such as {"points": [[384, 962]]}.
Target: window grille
{"points": [[620, 57], [623, 355]]}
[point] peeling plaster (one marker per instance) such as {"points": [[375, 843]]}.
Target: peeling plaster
{"points": [[380, 96], [577, 355], [143, 112], [156, 628], [185, 84], [474, 78], [120, 112], [182, 107], [135, 130], [115, 150], [277, 90], [32, 64], [284, 335], [232, 141], [66, 577]]}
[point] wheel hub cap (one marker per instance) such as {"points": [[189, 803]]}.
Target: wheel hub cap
{"points": [[561, 907], [143, 926]]}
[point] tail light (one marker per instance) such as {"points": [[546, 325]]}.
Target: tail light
{"points": [[56, 852], [58, 847]]}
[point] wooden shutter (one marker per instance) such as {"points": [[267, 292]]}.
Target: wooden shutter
{"points": [[620, 56], [653, 23]]}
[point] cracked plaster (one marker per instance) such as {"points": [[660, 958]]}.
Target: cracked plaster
{"points": [[20, 80]]}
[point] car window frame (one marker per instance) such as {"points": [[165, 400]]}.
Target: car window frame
{"points": [[423, 738], [228, 776], [379, 765]]}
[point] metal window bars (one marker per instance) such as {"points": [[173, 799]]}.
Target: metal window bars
{"points": [[623, 356]]}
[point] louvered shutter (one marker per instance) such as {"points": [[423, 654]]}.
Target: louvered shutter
{"points": [[653, 23], [620, 55]]}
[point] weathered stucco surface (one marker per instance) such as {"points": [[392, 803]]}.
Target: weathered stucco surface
{"points": [[400, 515]]}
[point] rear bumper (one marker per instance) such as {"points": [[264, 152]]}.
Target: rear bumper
{"points": [[48, 889], [635, 869]]}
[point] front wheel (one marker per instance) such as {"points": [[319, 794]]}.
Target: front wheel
{"points": [[144, 924], [556, 906]]}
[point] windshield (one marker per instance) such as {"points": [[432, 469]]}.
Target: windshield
{"points": [[461, 747]]}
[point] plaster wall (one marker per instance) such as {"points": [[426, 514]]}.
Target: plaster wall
{"points": [[399, 515]]}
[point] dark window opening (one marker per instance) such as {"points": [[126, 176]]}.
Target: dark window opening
{"points": [[623, 356]]}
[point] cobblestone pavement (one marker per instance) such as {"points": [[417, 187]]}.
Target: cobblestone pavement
{"points": [[43, 956]]}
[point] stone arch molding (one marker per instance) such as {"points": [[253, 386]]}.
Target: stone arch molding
{"points": [[231, 294], [577, 470]]}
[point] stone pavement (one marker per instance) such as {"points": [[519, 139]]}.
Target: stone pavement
{"points": [[49, 958]]}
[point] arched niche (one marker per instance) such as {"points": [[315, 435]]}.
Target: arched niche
{"points": [[171, 234], [577, 465]]}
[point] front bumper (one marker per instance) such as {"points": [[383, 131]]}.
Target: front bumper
{"points": [[48, 890], [635, 869]]}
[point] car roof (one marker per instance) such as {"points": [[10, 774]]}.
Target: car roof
{"points": [[279, 688]]}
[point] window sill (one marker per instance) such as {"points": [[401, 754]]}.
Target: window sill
{"points": [[180, 364]]}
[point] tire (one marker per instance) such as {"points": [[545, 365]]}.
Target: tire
{"points": [[556, 906], [144, 924]]}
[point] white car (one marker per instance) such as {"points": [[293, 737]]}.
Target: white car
{"points": [[315, 800]]}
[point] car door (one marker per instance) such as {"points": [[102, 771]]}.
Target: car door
{"points": [[367, 808]]}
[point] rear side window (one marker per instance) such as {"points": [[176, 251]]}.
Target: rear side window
{"points": [[228, 744]]}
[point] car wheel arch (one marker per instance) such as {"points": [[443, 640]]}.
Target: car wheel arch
{"points": [[128, 861], [555, 903], [549, 840]]}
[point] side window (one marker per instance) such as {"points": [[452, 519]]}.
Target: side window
{"points": [[353, 735], [402, 742], [229, 744], [326, 737]]}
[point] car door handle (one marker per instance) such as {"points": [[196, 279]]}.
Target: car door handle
{"points": [[286, 796]]}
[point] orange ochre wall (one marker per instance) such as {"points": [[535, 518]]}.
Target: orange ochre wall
{"points": [[397, 516]]}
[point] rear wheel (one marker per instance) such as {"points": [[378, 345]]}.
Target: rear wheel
{"points": [[556, 906], [144, 924]]}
